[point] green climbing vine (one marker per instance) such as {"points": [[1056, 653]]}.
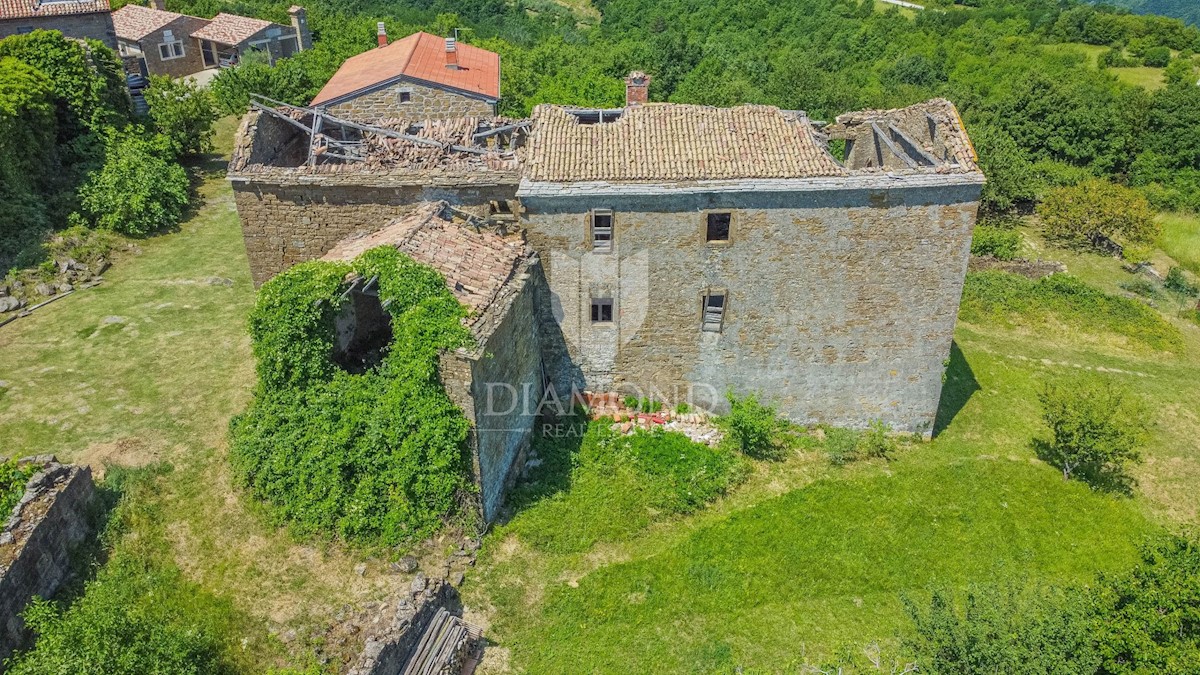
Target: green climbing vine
{"points": [[376, 457]]}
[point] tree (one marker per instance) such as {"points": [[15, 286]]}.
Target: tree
{"points": [[1157, 57], [183, 112], [1096, 429], [139, 189], [1096, 211]]}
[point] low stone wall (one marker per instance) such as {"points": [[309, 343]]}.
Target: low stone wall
{"points": [[386, 652], [54, 515]]}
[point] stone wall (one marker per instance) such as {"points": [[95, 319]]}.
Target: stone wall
{"points": [[181, 29], [97, 26], [52, 518], [424, 102], [841, 303], [386, 652], [286, 224]]}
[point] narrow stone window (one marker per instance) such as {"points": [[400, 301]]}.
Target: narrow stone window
{"points": [[406, 97], [712, 311], [602, 230], [718, 226], [602, 310]]}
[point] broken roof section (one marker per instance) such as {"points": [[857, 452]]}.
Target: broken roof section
{"points": [[673, 142], [923, 138], [420, 57], [477, 265]]}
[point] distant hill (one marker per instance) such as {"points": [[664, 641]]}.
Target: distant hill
{"points": [[1188, 10]]}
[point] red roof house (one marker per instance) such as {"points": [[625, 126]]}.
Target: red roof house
{"points": [[421, 76]]}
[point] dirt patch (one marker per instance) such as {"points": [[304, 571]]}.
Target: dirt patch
{"points": [[130, 451]]}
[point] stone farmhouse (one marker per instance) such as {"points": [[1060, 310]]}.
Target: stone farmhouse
{"points": [[673, 251], [419, 77], [78, 19], [154, 41]]}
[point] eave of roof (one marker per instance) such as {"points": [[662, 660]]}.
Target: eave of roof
{"points": [[134, 22], [231, 29]]}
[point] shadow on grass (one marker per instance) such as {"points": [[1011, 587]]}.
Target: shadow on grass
{"points": [[1109, 478], [553, 456], [958, 388]]}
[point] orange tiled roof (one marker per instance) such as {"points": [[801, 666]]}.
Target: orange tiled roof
{"points": [[134, 22], [231, 29], [420, 56], [668, 142], [476, 265], [21, 9]]}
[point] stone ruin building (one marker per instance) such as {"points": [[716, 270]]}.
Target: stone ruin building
{"points": [[673, 251]]}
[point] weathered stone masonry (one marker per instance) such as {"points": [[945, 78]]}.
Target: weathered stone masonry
{"points": [[424, 102]]}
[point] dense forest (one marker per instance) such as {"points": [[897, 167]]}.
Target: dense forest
{"points": [[1188, 10]]}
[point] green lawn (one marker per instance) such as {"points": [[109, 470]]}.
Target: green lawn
{"points": [[1138, 76], [1181, 239]]}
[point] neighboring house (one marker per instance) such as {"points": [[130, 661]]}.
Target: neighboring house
{"points": [[682, 251], [73, 18], [421, 76], [159, 42]]}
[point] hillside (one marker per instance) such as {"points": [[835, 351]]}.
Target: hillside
{"points": [[1187, 10]]}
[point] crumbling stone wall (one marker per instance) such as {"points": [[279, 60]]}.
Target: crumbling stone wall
{"points": [[841, 303], [54, 516], [295, 220], [498, 386], [97, 26], [425, 103], [387, 652]]}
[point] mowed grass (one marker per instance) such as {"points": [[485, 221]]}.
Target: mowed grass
{"points": [[148, 368], [807, 559], [1180, 239], [1137, 76]]}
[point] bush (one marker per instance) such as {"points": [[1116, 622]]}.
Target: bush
{"points": [[753, 427], [139, 189], [997, 242], [183, 112], [375, 457], [1095, 211], [848, 445], [1142, 287], [1096, 429], [999, 297], [1178, 282], [12, 485], [1157, 57]]}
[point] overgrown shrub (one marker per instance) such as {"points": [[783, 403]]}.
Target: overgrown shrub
{"points": [[999, 297], [1096, 429], [139, 189], [12, 485], [753, 426], [375, 457], [1157, 57], [1178, 282], [183, 112], [1142, 287], [849, 445], [1094, 211], [1001, 243]]}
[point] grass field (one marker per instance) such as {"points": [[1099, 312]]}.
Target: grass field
{"points": [[1180, 239], [800, 559], [1138, 76]]}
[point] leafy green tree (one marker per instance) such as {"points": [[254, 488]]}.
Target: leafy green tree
{"points": [[1096, 429], [28, 130], [1157, 57], [139, 189], [998, 242], [1095, 210], [183, 112], [1181, 71]]}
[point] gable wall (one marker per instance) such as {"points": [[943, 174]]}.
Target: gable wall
{"points": [[192, 60], [426, 103]]}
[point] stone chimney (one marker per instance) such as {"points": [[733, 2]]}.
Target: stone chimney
{"points": [[160, 5], [637, 88], [382, 34], [300, 25], [451, 53]]}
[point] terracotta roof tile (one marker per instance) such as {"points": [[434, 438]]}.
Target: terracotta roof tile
{"points": [[21, 9], [134, 22], [231, 29], [476, 265], [420, 56], [669, 142]]}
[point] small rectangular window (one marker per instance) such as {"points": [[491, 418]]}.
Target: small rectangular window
{"points": [[170, 50], [602, 230], [406, 97], [602, 310], [718, 226], [712, 311]]}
